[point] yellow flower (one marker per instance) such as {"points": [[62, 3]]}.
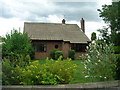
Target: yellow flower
{"points": [[21, 82], [37, 76]]}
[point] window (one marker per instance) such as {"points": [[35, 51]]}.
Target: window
{"points": [[78, 47], [40, 48], [56, 46]]}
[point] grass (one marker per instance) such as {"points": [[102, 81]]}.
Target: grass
{"points": [[79, 76]]}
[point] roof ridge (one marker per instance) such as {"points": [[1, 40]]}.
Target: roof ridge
{"points": [[47, 23]]}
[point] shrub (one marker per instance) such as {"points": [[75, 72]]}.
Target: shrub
{"points": [[58, 54], [7, 67], [118, 67], [9, 77], [16, 43], [100, 63], [71, 54], [50, 73], [52, 54], [117, 49]]}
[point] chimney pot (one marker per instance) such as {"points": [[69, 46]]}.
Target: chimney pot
{"points": [[83, 25], [63, 21]]}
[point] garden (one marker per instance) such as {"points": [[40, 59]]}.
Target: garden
{"points": [[19, 67]]}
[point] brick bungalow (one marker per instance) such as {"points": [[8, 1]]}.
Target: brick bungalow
{"points": [[61, 36]]}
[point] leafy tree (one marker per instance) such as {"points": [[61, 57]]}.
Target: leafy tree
{"points": [[16, 44], [111, 16], [93, 36], [104, 35]]}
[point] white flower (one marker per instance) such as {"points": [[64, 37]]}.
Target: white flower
{"points": [[105, 77], [99, 60], [87, 76], [89, 60], [95, 63]]}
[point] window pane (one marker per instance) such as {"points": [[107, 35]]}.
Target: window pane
{"points": [[40, 47], [78, 47]]}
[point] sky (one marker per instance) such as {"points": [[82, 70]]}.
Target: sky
{"points": [[15, 12]]}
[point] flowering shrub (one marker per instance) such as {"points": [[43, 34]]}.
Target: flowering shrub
{"points": [[100, 63], [52, 72], [11, 70]]}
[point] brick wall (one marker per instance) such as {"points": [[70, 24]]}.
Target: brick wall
{"points": [[50, 45], [65, 48]]}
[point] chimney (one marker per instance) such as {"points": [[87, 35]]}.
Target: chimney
{"points": [[83, 25], [63, 21]]}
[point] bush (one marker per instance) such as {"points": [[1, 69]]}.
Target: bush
{"points": [[50, 73], [58, 54], [8, 66], [52, 54], [118, 67], [117, 49], [16, 43], [71, 54], [100, 63]]}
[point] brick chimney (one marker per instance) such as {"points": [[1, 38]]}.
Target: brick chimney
{"points": [[83, 25], [63, 21]]}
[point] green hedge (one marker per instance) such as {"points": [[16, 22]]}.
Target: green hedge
{"points": [[55, 54], [71, 54], [117, 49], [58, 54], [52, 54], [118, 66]]}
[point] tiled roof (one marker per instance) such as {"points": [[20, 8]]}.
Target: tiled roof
{"points": [[55, 31]]}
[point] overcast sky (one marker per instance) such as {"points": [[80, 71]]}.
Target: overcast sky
{"points": [[15, 12]]}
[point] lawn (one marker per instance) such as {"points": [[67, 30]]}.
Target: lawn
{"points": [[79, 76]]}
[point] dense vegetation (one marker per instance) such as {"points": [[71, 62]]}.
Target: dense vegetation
{"points": [[111, 16]]}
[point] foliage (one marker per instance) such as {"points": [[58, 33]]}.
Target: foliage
{"points": [[6, 72], [116, 49], [104, 35], [118, 67], [93, 36], [52, 54], [2, 39], [71, 54], [58, 54], [52, 72], [8, 66], [111, 15], [16, 43], [101, 62]]}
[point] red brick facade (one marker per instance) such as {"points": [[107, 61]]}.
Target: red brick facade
{"points": [[50, 45]]}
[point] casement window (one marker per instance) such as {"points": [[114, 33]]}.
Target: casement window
{"points": [[40, 48], [78, 47]]}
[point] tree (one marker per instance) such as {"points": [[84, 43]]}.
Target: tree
{"points": [[104, 35], [111, 16], [93, 36], [100, 63], [15, 44]]}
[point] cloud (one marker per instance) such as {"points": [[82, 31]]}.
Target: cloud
{"points": [[6, 25], [34, 9], [15, 12]]}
